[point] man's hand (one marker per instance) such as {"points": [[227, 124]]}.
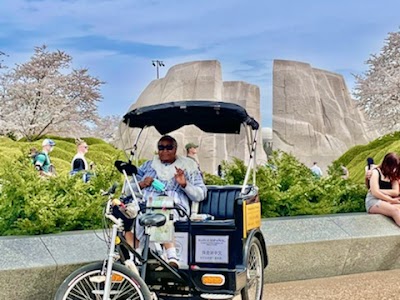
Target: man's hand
{"points": [[180, 177], [146, 182]]}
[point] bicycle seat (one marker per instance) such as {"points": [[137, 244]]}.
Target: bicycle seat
{"points": [[152, 219]]}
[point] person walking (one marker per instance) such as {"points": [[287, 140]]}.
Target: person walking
{"points": [[345, 172], [42, 161], [191, 151], [368, 170], [79, 163], [316, 170]]}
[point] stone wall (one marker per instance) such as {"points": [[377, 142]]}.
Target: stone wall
{"points": [[200, 80], [314, 117], [298, 248]]}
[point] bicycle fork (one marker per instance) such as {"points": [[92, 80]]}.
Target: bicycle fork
{"points": [[110, 262]]}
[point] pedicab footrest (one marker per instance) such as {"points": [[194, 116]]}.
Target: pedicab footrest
{"points": [[216, 296]]}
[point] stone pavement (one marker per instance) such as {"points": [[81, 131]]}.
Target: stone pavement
{"points": [[383, 285]]}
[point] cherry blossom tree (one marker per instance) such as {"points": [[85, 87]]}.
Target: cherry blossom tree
{"points": [[45, 95], [378, 89], [1, 59], [106, 128]]}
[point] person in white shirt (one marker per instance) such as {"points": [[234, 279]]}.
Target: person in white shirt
{"points": [[316, 170], [79, 162]]}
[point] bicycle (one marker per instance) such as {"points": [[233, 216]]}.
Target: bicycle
{"points": [[116, 276]]}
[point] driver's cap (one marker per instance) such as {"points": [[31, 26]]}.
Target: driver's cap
{"points": [[191, 145]]}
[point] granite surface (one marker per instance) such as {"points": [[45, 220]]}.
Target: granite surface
{"points": [[324, 246]]}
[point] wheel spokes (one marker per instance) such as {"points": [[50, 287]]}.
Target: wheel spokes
{"points": [[85, 289], [254, 269]]}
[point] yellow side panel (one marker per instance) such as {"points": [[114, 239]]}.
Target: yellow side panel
{"points": [[253, 216]]}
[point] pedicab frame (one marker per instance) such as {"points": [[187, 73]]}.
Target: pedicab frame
{"points": [[224, 256], [242, 215]]}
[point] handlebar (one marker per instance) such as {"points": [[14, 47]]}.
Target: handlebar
{"points": [[111, 190], [111, 217]]}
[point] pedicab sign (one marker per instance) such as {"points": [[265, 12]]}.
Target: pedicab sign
{"points": [[212, 248], [251, 216]]}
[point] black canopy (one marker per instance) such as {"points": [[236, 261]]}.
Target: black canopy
{"points": [[209, 116]]}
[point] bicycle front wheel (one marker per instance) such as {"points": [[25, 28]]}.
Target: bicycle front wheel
{"points": [[87, 283]]}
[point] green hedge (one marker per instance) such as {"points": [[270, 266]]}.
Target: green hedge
{"points": [[33, 205], [288, 188], [30, 204]]}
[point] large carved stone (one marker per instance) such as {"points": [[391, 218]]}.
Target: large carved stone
{"points": [[200, 80], [314, 117]]}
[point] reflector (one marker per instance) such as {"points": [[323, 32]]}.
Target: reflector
{"points": [[213, 279]]}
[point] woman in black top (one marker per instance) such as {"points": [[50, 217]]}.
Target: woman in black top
{"points": [[383, 195]]}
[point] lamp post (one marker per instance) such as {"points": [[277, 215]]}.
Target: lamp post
{"points": [[158, 64]]}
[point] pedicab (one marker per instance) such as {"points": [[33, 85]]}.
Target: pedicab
{"points": [[222, 249]]}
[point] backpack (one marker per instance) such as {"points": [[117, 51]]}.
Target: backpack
{"points": [[34, 156]]}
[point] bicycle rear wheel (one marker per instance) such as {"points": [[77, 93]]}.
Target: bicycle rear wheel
{"points": [[87, 283], [255, 272]]}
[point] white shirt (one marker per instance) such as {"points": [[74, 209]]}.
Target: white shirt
{"points": [[316, 170]]}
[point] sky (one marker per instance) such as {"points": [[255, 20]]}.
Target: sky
{"points": [[118, 39]]}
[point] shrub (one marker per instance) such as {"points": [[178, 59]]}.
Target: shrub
{"points": [[288, 188], [30, 204], [33, 205]]}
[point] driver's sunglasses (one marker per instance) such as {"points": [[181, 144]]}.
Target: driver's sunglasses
{"points": [[165, 147]]}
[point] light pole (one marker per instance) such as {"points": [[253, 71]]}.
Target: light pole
{"points": [[158, 64]]}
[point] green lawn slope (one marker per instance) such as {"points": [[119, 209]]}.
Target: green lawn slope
{"points": [[355, 158]]}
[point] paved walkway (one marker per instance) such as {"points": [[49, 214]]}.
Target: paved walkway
{"points": [[384, 285]]}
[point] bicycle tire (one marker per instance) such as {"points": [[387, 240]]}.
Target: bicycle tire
{"points": [[81, 284], [255, 272]]}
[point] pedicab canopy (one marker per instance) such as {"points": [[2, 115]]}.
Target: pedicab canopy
{"points": [[209, 116]]}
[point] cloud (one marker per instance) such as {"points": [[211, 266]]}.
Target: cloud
{"points": [[91, 43]]}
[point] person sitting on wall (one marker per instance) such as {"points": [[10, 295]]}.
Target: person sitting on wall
{"points": [[383, 195]]}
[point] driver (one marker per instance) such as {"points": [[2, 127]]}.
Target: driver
{"points": [[180, 178]]}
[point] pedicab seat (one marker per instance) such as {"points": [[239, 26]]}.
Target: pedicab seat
{"points": [[220, 202]]}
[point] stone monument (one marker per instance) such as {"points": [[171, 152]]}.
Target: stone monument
{"points": [[199, 80], [314, 117]]}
